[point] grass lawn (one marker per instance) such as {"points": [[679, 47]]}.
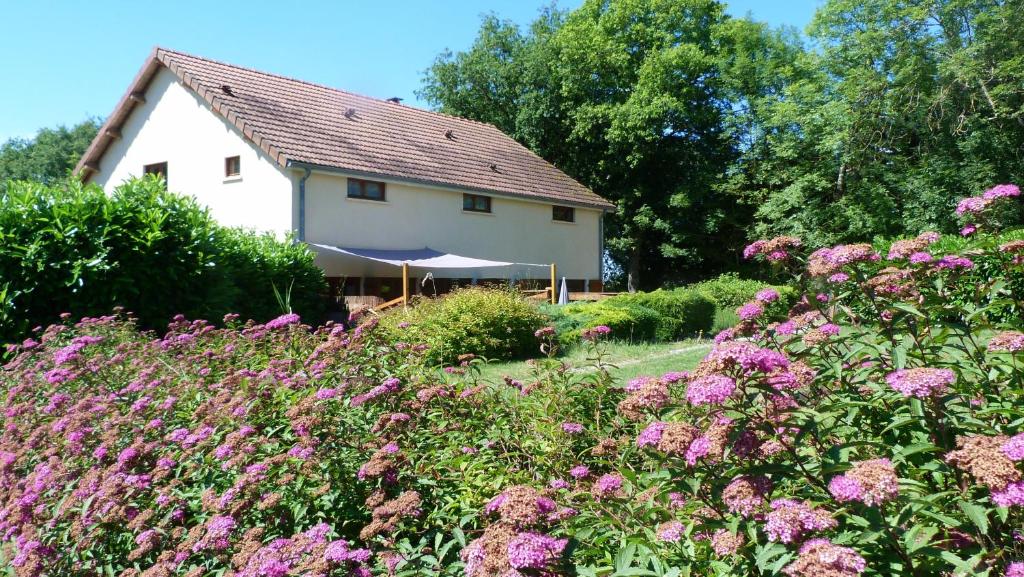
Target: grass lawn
{"points": [[629, 359]]}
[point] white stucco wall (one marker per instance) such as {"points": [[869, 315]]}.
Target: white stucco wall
{"points": [[176, 127], [415, 216]]}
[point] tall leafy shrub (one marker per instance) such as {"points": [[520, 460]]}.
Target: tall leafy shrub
{"points": [[496, 323], [71, 248]]}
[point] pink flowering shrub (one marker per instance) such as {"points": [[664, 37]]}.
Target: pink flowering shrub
{"points": [[254, 450], [876, 429]]}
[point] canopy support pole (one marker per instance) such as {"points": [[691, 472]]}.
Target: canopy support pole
{"points": [[554, 291], [405, 284]]}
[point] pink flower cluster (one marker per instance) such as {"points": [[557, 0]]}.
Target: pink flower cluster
{"points": [[774, 250], [1002, 191], [921, 382], [1007, 342], [710, 390], [750, 311], [789, 520], [871, 482], [820, 558], [534, 551]]}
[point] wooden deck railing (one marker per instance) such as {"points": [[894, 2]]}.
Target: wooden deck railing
{"points": [[389, 304]]}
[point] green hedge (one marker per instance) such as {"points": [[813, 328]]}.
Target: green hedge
{"points": [[684, 312], [729, 290], [72, 248], [631, 322], [655, 316], [495, 323]]}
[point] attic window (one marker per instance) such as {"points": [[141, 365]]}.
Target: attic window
{"points": [[476, 203], [157, 168], [563, 213], [232, 166], [365, 189]]}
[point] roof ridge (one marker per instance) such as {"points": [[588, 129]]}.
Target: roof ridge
{"points": [[324, 86]]}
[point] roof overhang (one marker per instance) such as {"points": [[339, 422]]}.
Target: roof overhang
{"points": [[136, 95], [444, 185]]}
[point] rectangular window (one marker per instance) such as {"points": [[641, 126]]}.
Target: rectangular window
{"points": [[365, 189], [232, 166], [158, 168], [563, 213], [476, 203]]}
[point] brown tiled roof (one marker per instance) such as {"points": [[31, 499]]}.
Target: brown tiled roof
{"points": [[297, 122]]}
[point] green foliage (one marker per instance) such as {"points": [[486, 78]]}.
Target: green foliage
{"points": [[728, 291], [905, 108], [708, 130], [47, 157], [69, 248], [684, 312], [259, 267], [626, 97], [631, 322], [494, 323]]}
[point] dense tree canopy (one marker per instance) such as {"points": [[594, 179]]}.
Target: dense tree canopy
{"points": [[47, 157], [623, 95], [708, 130]]}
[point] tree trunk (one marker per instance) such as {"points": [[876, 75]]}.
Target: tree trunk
{"points": [[633, 276]]}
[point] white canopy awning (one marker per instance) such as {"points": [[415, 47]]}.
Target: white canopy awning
{"points": [[426, 258]]}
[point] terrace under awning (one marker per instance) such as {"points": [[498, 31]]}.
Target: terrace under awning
{"points": [[420, 258], [379, 262]]}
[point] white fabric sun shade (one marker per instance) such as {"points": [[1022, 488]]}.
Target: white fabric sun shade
{"points": [[420, 258]]}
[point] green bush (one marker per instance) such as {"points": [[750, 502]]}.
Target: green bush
{"points": [[684, 312], [729, 290], [254, 265], [72, 248], [990, 265], [628, 321], [495, 323]]}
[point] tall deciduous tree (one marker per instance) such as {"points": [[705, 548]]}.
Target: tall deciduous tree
{"points": [[49, 156], [627, 97], [906, 107]]}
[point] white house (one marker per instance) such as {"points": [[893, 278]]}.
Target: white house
{"points": [[368, 183]]}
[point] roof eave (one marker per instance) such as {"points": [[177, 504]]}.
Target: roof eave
{"points": [[439, 184], [90, 161]]}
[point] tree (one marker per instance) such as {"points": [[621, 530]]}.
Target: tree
{"points": [[49, 156], [626, 97], [905, 108]]}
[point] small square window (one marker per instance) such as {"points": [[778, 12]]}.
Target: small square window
{"points": [[232, 166], [563, 213], [476, 203], [157, 168], [366, 189]]}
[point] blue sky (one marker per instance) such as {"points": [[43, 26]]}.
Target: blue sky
{"points": [[63, 61]]}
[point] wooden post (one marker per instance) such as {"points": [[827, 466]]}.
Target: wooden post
{"points": [[554, 276], [405, 284]]}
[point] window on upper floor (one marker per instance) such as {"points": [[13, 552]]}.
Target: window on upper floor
{"points": [[365, 189], [232, 166], [563, 213], [156, 168], [476, 203]]}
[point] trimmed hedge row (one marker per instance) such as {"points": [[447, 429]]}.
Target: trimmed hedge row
{"points": [[71, 248], [662, 315], [498, 324]]}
